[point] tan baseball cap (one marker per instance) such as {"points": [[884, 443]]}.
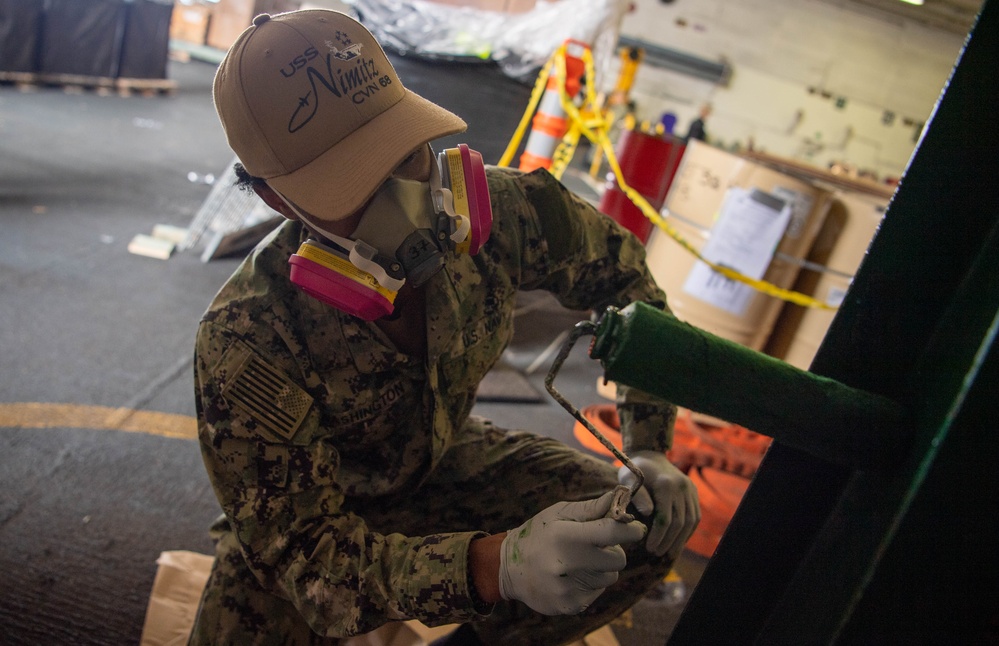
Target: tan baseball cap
{"points": [[310, 102]]}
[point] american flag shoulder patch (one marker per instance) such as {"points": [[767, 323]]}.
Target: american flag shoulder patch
{"points": [[267, 395]]}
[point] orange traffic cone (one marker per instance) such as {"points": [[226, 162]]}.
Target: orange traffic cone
{"points": [[550, 123]]}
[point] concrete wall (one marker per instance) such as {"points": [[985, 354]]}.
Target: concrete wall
{"points": [[815, 80]]}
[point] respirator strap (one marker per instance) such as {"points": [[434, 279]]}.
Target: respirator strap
{"points": [[361, 255], [462, 231]]}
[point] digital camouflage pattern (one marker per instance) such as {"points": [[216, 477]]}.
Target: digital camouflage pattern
{"points": [[351, 475]]}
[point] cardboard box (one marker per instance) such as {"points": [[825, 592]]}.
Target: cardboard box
{"points": [[706, 178], [854, 218], [189, 23], [231, 17]]}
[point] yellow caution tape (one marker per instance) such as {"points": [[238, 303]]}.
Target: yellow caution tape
{"points": [[539, 90], [595, 129]]}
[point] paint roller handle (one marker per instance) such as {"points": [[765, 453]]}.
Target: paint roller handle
{"points": [[651, 350]]}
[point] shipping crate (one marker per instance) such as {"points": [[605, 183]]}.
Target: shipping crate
{"points": [[190, 23], [231, 17]]}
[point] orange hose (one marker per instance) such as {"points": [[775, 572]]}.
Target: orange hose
{"points": [[720, 461]]}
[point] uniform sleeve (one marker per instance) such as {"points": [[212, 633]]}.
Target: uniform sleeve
{"points": [[586, 258], [590, 262], [282, 497]]}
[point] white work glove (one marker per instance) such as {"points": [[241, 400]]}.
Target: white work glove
{"points": [[562, 559], [672, 509]]}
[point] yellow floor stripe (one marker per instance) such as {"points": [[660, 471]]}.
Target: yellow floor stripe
{"points": [[105, 418]]}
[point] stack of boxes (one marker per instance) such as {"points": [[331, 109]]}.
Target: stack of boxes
{"points": [[218, 24], [831, 225], [704, 188]]}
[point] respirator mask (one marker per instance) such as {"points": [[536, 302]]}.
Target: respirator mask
{"points": [[404, 234]]}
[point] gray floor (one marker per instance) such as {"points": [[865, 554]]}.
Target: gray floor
{"points": [[84, 513]]}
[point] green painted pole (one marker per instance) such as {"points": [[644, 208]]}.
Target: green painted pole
{"points": [[653, 351]]}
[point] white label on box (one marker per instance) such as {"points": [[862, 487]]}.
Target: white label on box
{"points": [[745, 237]]}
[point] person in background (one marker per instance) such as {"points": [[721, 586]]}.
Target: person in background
{"points": [[336, 371], [697, 126]]}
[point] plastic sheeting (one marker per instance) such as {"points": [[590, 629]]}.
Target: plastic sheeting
{"points": [[521, 43]]}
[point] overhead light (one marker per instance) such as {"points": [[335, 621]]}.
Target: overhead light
{"points": [[919, 2]]}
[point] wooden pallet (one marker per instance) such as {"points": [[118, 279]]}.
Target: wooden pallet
{"points": [[145, 87], [77, 84], [23, 80]]}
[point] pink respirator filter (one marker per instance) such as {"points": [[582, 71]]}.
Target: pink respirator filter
{"points": [[481, 216], [333, 288]]}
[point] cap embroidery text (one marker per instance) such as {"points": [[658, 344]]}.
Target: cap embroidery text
{"points": [[358, 82]]}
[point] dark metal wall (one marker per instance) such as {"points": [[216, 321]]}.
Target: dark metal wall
{"points": [[820, 553]]}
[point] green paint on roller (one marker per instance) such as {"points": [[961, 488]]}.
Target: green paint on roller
{"points": [[653, 351]]}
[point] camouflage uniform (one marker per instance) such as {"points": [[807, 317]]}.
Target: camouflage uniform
{"points": [[352, 476]]}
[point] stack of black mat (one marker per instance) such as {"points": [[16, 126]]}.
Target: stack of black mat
{"points": [[89, 38]]}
